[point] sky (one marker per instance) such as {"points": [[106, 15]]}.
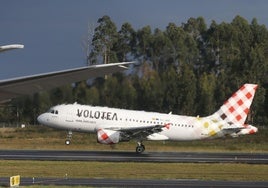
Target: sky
{"points": [[53, 30]]}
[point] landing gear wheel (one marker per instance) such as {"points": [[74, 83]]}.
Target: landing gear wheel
{"points": [[67, 142], [69, 137], [140, 148]]}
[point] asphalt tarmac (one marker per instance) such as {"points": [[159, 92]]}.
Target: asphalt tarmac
{"points": [[134, 183], [111, 156]]}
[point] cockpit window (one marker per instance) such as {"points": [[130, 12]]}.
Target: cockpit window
{"points": [[53, 111]]}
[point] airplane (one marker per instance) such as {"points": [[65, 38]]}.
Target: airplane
{"points": [[113, 125], [14, 87], [11, 47]]}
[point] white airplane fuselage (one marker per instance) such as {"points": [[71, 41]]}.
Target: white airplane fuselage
{"points": [[114, 125], [83, 118]]}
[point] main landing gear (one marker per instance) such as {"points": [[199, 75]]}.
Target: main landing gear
{"points": [[140, 148], [69, 137]]}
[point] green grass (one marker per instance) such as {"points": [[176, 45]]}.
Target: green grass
{"points": [[40, 137], [120, 170]]}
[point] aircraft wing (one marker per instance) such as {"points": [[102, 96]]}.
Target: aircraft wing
{"points": [[141, 132], [11, 47], [14, 87]]}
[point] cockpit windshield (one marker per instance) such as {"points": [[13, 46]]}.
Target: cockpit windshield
{"points": [[52, 111]]}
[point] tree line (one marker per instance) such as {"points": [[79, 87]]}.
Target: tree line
{"points": [[188, 69]]}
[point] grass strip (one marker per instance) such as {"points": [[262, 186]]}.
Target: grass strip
{"points": [[75, 169], [40, 137]]}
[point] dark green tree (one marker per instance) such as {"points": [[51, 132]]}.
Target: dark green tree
{"points": [[104, 39], [171, 90], [144, 39], [162, 51], [206, 98], [150, 92], [126, 43], [186, 90]]}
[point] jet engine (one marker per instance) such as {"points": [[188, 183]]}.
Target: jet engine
{"points": [[108, 136]]}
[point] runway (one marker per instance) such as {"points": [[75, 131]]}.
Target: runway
{"points": [[135, 183], [118, 156]]}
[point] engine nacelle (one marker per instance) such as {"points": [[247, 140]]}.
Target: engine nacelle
{"points": [[108, 136]]}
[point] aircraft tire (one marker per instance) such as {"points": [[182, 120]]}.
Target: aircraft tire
{"points": [[140, 149], [67, 142]]}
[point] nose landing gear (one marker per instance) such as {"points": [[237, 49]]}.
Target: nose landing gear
{"points": [[69, 137]]}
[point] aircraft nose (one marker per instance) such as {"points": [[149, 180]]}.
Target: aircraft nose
{"points": [[41, 118]]}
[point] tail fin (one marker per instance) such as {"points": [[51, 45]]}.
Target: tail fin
{"points": [[236, 108]]}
